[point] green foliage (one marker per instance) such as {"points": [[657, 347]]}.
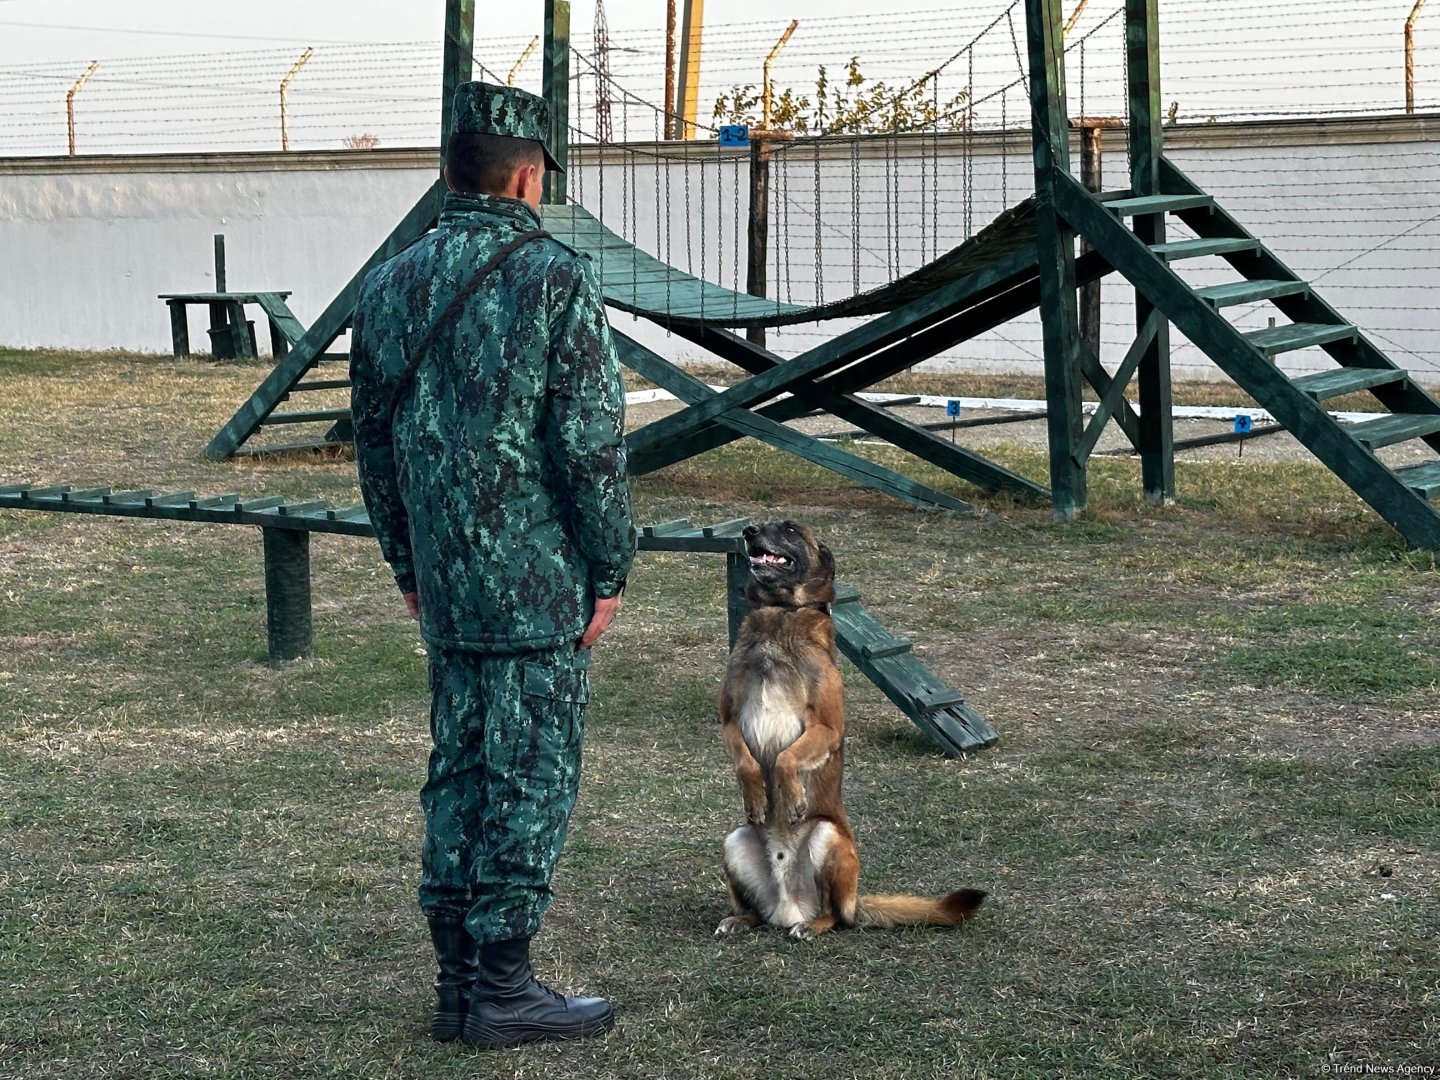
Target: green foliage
{"points": [[853, 106]]}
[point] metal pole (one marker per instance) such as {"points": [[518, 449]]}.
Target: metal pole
{"points": [[70, 101], [456, 65], [524, 59], [1409, 57], [285, 98], [766, 93], [687, 100]]}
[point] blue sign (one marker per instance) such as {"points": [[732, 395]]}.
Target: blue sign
{"points": [[734, 135], [952, 408], [1243, 424]]}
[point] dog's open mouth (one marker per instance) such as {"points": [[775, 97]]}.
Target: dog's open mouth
{"points": [[766, 558]]}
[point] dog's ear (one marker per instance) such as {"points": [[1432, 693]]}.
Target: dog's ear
{"points": [[827, 559]]}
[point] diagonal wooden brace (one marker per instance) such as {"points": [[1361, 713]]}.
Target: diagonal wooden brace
{"points": [[745, 423]]}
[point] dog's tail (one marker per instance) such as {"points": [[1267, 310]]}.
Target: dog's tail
{"points": [[884, 911]]}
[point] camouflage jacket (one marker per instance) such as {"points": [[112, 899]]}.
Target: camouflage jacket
{"points": [[500, 493]]}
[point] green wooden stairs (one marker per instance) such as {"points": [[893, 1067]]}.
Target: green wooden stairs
{"points": [[1409, 497]]}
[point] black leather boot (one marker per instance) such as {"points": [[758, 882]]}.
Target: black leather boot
{"points": [[457, 961], [509, 1007]]}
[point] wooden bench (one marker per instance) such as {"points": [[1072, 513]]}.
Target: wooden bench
{"points": [[285, 527]]}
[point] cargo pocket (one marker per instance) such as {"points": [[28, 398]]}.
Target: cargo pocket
{"points": [[559, 691]]}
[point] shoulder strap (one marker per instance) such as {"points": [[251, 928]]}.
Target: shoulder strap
{"points": [[452, 311]]}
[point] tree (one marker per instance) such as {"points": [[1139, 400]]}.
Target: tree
{"points": [[857, 106]]}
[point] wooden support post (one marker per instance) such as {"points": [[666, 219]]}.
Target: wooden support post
{"points": [[456, 64], [737, 577], [556, 90], [179, 327], [759, 233], [288, 623], [1092, 176], [1157, 426], [1056, 243]]}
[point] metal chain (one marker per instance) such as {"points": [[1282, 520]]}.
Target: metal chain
{"points": [[855, 214], [735, 274], [1005, 149], [819, 254], [967, 197], [889, 225]]}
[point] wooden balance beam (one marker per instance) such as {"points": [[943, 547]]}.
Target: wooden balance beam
{"points": [[886, 660]]}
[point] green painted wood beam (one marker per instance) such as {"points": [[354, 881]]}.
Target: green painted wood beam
{"points": [[456, 65], [555, 87], [1060, 322]]}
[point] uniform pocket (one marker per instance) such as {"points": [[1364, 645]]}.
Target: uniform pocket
{"points": [[556, 683]]}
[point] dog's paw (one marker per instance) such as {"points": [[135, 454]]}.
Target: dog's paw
{"points": [[755, 813], [732, 924], [797, 809], [801, 932]]}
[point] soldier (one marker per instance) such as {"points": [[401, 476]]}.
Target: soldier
{"points": [[489, 414]]}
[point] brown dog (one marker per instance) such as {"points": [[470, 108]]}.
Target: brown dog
{"points": [[782, 712]]}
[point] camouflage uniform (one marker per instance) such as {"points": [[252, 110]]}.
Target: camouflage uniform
{"points": [[499, 494]]}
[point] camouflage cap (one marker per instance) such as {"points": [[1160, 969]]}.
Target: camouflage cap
{"points": [[487, 109]]}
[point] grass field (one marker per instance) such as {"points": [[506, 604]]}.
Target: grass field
{"points": [[1211, 832]]}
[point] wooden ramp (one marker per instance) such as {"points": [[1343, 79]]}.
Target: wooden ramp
{"points": [[637, 282]]}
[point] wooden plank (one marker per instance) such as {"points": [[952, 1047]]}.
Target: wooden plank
{"points": [[678, 527], [1389, 430], [177, 498], [262, 503], [1158, 204], [1279, 339], [128, 498], [14, 489], [1112, 396], [320, 384], [1423, 479], [1324, 385], [280, 316], [456, 64], [353, 512], [1246, 292], [733, 527], [214, 502], [86, 495], [893, 647], [309, 416], [56, 492], [1174, 250], [301, 509]]}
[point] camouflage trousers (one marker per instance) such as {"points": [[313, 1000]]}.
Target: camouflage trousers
{"points": [[504, 773]]}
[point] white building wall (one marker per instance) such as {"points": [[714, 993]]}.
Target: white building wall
{"points": [[90, 242]]}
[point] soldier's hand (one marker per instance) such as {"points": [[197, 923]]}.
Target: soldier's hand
{"points": [[604, 611], [412, 605]]}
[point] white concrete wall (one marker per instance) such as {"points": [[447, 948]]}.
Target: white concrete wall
{"points": [[88, 243]]}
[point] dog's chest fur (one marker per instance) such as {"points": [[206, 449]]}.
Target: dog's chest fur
{"points": [[770, 719]]}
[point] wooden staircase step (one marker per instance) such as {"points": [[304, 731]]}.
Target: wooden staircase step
{"points": [[1278, 339], [1195, 249], [1389, 430], [1158, 204], [306, 417], [1245, 292], [1324, 385], [874, 650], [321, 384], [1423, 479], [288, 448]]}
